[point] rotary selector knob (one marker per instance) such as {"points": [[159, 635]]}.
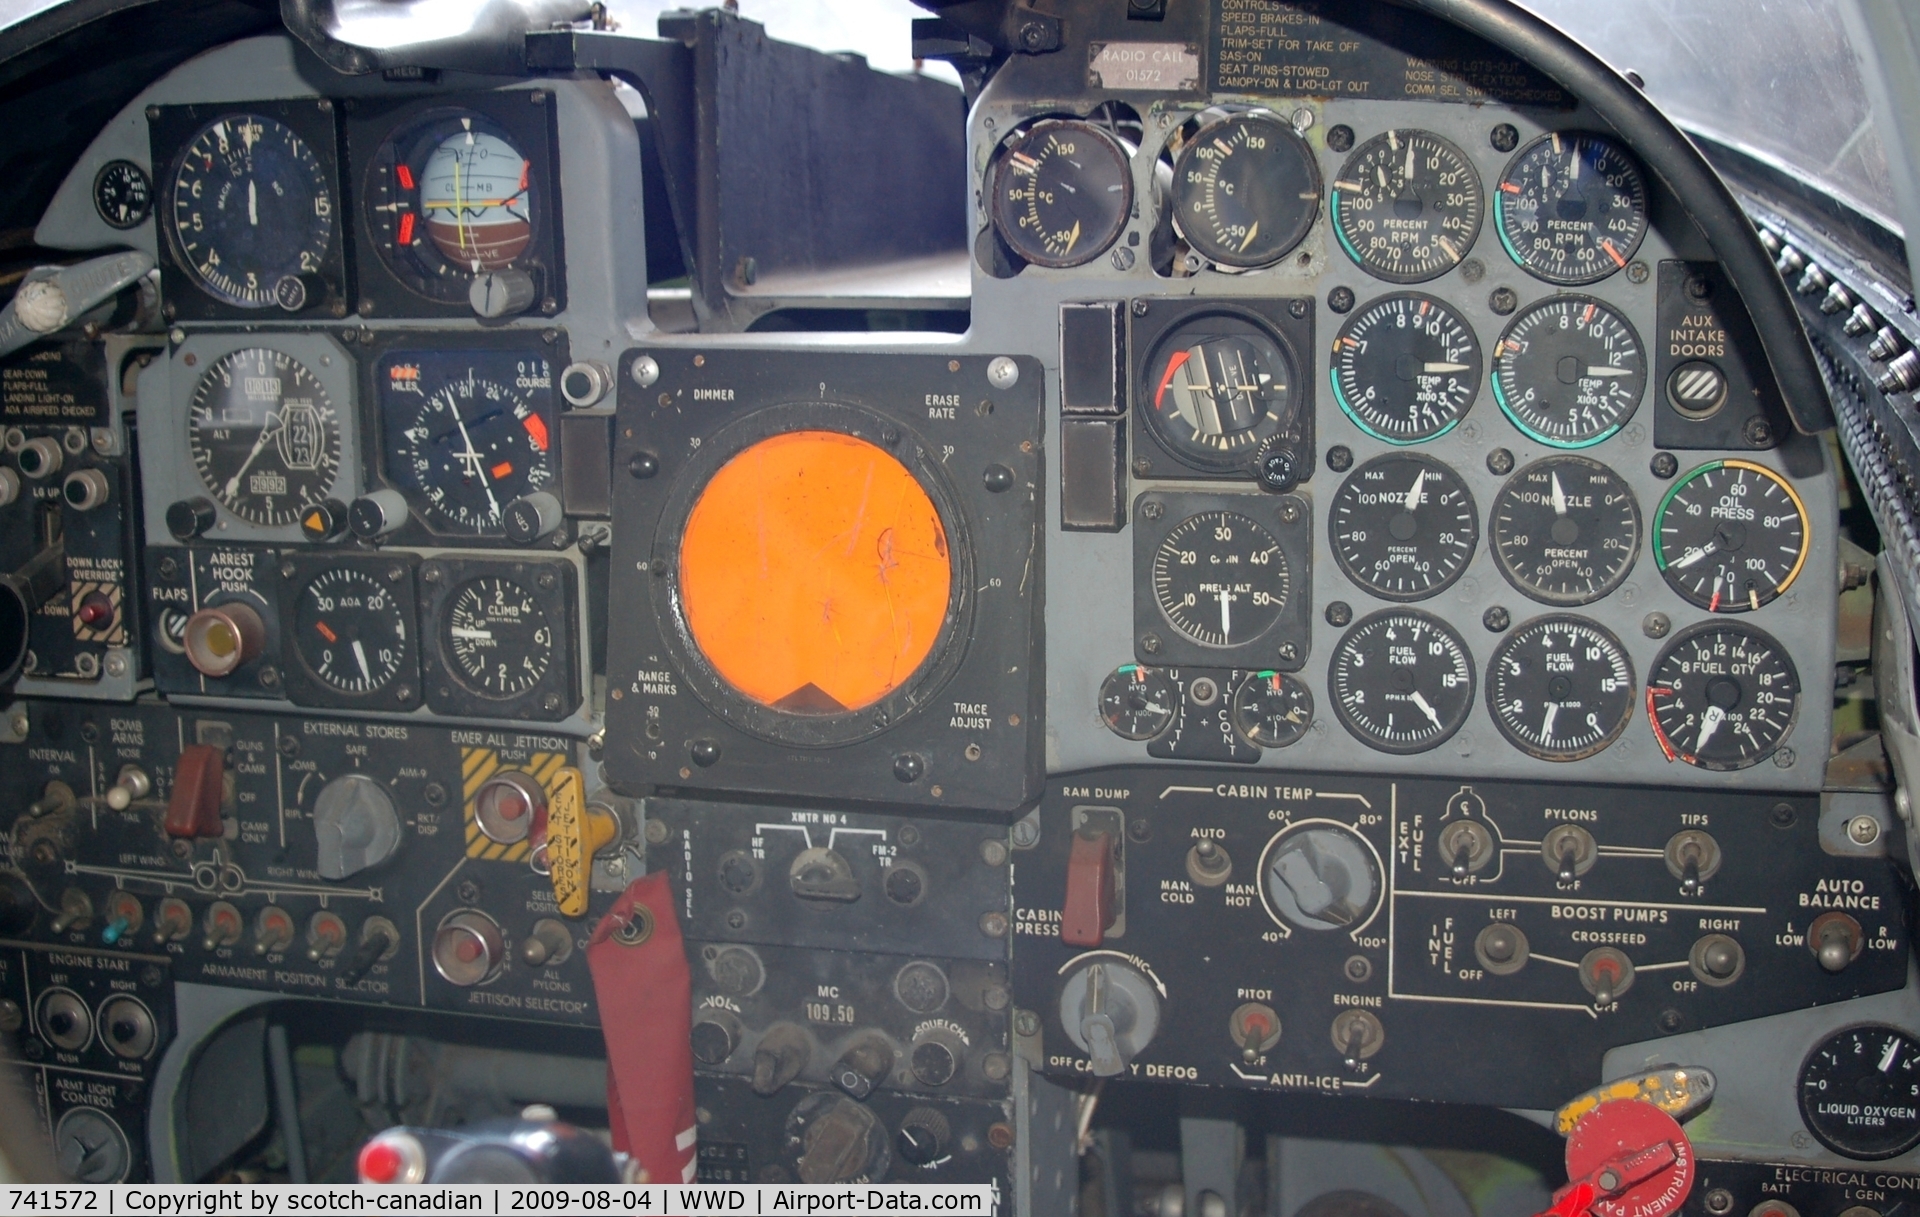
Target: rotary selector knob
{"points": [[356, 825], [1111, 1012], [1321, 877]]}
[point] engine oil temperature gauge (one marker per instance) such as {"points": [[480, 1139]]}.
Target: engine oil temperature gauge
{"points": [[1245, 190], [1062, 192]]}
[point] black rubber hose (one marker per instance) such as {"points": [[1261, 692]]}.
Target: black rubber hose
{"points": [[1667, 152]]}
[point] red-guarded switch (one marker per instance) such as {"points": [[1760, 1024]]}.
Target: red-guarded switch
{"points": [[1626, 1158], [1088, 910], [194, 809]]}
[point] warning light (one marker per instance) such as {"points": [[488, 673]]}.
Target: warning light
{"points": [[501, 470], [405, 174], [405, 235], [814, 573]]}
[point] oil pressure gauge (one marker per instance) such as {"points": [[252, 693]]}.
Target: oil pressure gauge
{"points": [[1062, 192], [1245, 190], [1860, 1092], [1731, 536]]}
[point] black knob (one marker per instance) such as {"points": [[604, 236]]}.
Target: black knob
{"points": [[188, 518], [922, 1139], [1278, 467], [713, 1042], [904, 883], [60, 1022], [124, 1030], [934, 1064], [324, 520], [863, 1066]]}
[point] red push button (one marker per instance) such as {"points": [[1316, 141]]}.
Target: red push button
{"points": [[1089, 904], [194, 809]]}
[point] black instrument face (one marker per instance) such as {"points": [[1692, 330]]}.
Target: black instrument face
{"points": [[122, 194], [466, 433], [449, 198], [1560, 688], [1403, 526], [1245, 190], [1406, 368], [1272, 709], [1860, 1092], [253, 212], [1565, 530], [351, 630], [498, 636], [264, 435], [1407, 206], [1062, 192], [1571, 208], [1731, 536], [1219, 385], [1722, 696], [1401, 681], [1220, 579], [1137, 702], [1569, 371]]}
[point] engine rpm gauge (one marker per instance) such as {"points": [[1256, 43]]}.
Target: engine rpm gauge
{"points": [[1137, 702], [1401, 681], [263, 435], [1406, 368], [498, 636], [1407, 206], [1245, 190], [1722, 696], [1569, 371], [1403, 526], [1220, 578], [1218, 386], [1571, 208], [1272, 709], [1560, 688], [1860, 1092], [252, 212], [1731, 536], [1565, 530], [1062, 191], [351, 631]]}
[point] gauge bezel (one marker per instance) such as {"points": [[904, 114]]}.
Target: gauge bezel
{"points": [[1157, 642], [1003, 222], [1710, 626], [1335, 544], [393, 284], [1500, 215], [1359, 731], [122, 165], [1733, 608], [306, 687], [941, 662], [1540, 306], [505, 347], [448, 692], [1800, 1093], [1466, 246], [1495, 711], [1153, 321], [1361, 312], [171, 129], [1211, 124], [1531, 591]]}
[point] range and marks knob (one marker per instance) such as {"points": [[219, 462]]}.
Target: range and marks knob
{"points": [[1110, 1012], [357, 827]]}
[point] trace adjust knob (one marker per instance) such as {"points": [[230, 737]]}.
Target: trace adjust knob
{"points": [[355, 823]]}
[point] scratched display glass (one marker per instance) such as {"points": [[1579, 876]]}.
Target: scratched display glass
{"points": [[464, 433]]}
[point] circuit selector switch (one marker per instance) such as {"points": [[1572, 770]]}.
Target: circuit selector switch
{"points": [[1111, 1012], [1569, 852], [780, 1056], [356, 825], [864, 1065], [1606, 972], [199, 782]]}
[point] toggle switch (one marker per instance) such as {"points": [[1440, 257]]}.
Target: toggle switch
{"points": [[326, 935], [172, 921], [124, 917], [133, 783], [1693, 857], [272, 930], [1569, 852], [379, 940], [1466, 847], [199, 787], [222, 925], [1254, 1029], [1606, 972], [1835, 940], [780, 1056], [548, 943], [76, 911], [1088, 912]]}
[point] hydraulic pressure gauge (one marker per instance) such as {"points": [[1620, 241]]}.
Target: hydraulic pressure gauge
{"points": [[1403, 526], [1407, 206], [352, 631], [1731, 536], [1560, 688], [1245, 190], [1569, 371], [1565, 530], [1219, 385], [1220, 578], [1272, 709], [264, 435], [1062, 192], [1571, 208], [252, 212], [1137, 702], [1860, 1092], [1401, 681], [1722, 696], [1406, 368]]}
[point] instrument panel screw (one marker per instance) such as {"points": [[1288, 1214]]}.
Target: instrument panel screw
{"points": [[1719, 1201], [644, 370], [1139, 831], [658, 832], [1339, 137], [1496, 619], [1656, 625], [1303, 119], [1341, 299], [1026, 1022], [1289, 652], [1500, 462], [1122, 258], [993, 925], [1026, 834], [997, 478], [1505, 137], [1142, 466], [1782, 815], [1758, 432], [1152, 509], [550, 703], [468, 891], [435, 794], [1139, 308], [1339, 613], [1503, 300], [993, 853], [1339, 458], [1473, 270], [1637, 271], [90, 732], [953, 365], [1784, 758], [890, 436], [1359, 968], [972, 752], [1150, 643], [736, 920], [1664, 465], [1863, 830], [1002, 372], [269, 677], [1671, 1021], [546, 580], [1297, 308], [289, 746]]}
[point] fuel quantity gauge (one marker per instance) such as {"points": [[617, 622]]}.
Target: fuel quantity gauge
{"points": [[1062, 192], [1722, 696]]}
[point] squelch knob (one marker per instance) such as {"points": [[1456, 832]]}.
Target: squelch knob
{"points": [[356, 825], [782, 1053]]}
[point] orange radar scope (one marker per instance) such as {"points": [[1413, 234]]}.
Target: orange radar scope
{"points": [[814, 573]]}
